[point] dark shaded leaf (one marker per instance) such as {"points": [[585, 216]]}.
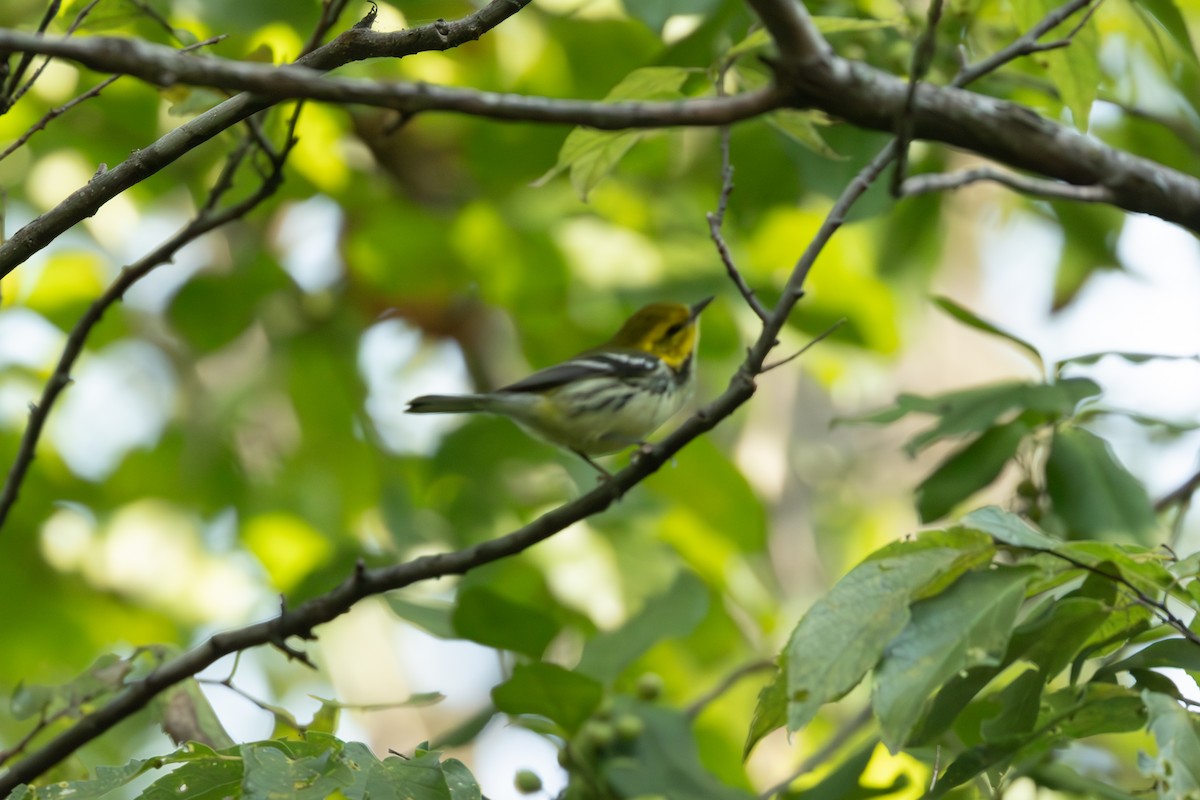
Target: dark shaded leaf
{"points": [[969, 470], [565, 697], [672, 614], [1092, 493]]}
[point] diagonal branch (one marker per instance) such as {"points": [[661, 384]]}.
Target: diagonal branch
{"points": [[351, 45], [208, 219], [363, 583]]}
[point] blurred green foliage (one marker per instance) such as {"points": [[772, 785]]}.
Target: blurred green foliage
{"points": [[401, 257]]}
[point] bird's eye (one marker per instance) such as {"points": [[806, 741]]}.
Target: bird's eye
{"points": [[674, 329]]}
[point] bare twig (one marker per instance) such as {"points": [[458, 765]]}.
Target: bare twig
{"points": [[1027, 43], [349, 46], [823, 335], [697, 706], [54, 113], [15, 89], [716, 219], [330, 11], [1180, 495], [939, 182], [827, 751], [206, 220], [922, 58], [1157, 607]]}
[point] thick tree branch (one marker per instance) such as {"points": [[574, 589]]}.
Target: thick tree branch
{"points": [[857, 93], [999, 130], [792, 28], [162, 66], [352, 45]]}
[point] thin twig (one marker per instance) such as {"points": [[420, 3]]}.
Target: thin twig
{"points": [[922, 58], [827, 751], [823, 335], [1028, 42], [940, 182], [698, 705], [54, 113], [1158, 608], [146, 161], [1179, 495], [330, 11], [716, 219], [206, 220], [15, 89]]}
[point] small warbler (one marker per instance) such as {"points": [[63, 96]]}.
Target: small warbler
{"points": [[604, 399]]}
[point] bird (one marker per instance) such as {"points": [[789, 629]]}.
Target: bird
{"points": [[606, 398]]}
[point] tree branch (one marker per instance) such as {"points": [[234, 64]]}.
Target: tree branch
{"points": [[208, 219], [363, 583], [859, 94], [922, 184], [793, 30], [351, 45], [163, 66]]}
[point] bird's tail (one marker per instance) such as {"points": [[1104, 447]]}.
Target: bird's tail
{"points": [[448, 404]]}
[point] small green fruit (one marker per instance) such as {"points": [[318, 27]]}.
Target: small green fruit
{"points": [[649, 686], [527, 781], [629, 727]]}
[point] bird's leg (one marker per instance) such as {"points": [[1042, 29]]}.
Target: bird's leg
{"points": [[604, 474]]}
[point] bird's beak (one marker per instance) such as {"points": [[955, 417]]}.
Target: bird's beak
{"points": [[698, 307]]}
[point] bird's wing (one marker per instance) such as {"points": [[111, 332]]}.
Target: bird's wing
{"points": [[611, 363]]}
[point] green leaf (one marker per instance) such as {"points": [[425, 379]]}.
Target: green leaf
{"points": [[845, 632], [1008, 528], [770, 712], [1166, 14], [656, 12], [803, 127], [1177, 765], [1074, 70], [421, 777], [591, 155], [967, 625], [1133, 358], [432, 616], [106, 780], [1090, 234], [1092, 493], [970, 319], [460, 781], [271, 772], [565, 697], [491, 619], [1180, 653], [969, 470], [673, 614], [1061, 778], [663, 761], [1019, 704], [213, 779], [975, 410]]}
